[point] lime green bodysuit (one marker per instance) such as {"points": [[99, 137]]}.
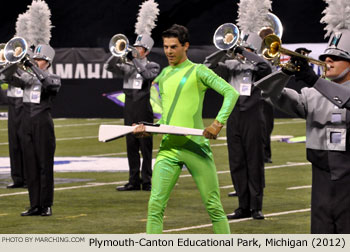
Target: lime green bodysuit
{"points": [[182, 89]]}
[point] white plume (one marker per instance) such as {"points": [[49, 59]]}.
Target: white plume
{"points": [[39, 22], [252, 14], [22, 27], [337, 16], [147, 17]]}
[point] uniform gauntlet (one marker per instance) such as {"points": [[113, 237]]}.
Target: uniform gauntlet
{"points": [[212, 131]]}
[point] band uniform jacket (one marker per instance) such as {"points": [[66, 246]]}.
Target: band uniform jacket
{"points": [[137, 80], [326, 110]]}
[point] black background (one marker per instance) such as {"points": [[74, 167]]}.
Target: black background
{"points": [[91, 23]]}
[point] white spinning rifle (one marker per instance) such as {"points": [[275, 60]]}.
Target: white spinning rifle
{"points": [[111, 132]]}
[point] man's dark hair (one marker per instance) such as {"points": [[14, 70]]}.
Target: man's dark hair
{"points": [[177, 31]]}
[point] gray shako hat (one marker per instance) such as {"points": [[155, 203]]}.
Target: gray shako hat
{"points": [[251, 40], [146, 21], [338, 45], [145, 41], [45, 52]]}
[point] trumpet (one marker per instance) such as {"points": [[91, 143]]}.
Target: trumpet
{"points": [[274, 49], [119, 46]]}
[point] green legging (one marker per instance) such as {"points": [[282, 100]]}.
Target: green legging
{"points": [[165, 175]]}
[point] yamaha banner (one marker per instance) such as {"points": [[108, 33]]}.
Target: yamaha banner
{"points": [[85, 82]]}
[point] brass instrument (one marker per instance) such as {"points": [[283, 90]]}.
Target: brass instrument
{"points": [[274, 27], [226, 36], [274, 49], [275, 24], [119, 46], [15, 50]]}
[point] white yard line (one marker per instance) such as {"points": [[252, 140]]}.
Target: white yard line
{"points": [[70, 187], [225, 187], [299, 187], [85, 124], [78, 124], [266, 168], [66, 139], [114, 154], [287, 165], [76, 138], [291, 122]]}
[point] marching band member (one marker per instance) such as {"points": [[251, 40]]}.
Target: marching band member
{"points": [[138, 74], [244, 129], [39, 88], [15, 114], [244, 138], [325, 106]]}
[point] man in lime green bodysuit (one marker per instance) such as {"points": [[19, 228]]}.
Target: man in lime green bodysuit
{"points": [[182, 87]]}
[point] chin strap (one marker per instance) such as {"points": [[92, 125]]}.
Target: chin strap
{"points": [[340, 76]]}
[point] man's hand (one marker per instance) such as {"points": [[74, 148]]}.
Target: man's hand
{"points": [[306, 73], [28, 62], [239, 50], [212, 131], [140, 131]]}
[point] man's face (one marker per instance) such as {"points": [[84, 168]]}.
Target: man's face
{"points": [[142, 52], [42, 64], [174, 51], [336, 66]]}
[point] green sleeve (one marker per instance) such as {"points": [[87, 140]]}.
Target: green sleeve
{"points": [[4, 86], [156, 80], [230, 94]]}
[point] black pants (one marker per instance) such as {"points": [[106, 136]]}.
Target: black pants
{"points": [[330, 203], [245, 149], [39, 150], [134, 145], [139, 111], [15, 139], [268, 123]]}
